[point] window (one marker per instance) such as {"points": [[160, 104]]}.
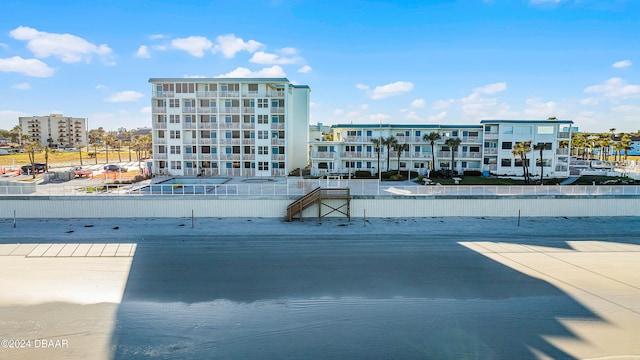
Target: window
{"points": [[174, 149], [545, 146], [545, 129], [161, 118], [418, 133], [176, 165], [174, 119], [454, 133], [263, 119], [174, 103], [263, 103], [174, 134], [507, 129], [162, 149], [545, 162], [263, 134], [322, 165], [474, 149], [263, 165], [185, 88], [506, 162], [263, 150], [464, 164], [522, 130], [161, 134], [253, 88], [507, 145], [187, 118], [351, 133], [518, 162]]}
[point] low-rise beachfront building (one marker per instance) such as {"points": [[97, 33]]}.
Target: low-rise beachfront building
{"points": [[485, 148], [55, 130], [353, 147], [229, 126], [552, 136]]}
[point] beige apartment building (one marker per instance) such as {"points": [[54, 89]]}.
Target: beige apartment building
{"points": [[55, 130]]}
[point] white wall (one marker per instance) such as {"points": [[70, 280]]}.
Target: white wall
{"points": [[161, 207]]}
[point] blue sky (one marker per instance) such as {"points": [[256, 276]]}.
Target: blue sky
{"points": [[441, 61]]}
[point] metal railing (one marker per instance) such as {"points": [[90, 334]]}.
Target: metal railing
{"points": [[295, 186]]}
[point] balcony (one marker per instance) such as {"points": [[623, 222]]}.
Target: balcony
{"points": [[208, 157], [248, 157], [277, 126], [207, 110], [159, 109], [275, 94], [206, 94], [160, 156], [470, 155], [225, 141], [277, 110], [351, 154], [207, 125], [443, 154], [277, 141], [421, 155], [278, 172], [160, 125], [490, 135], [562, 151], [564, 135], [470, 139], [229, 156], [231, 125], [163, 94], [322, 155], [248, 141], [207, 141], [249, 110], [188, 110], [189, 156], [229, 93], [188, 125], [491, 151], [248, 125], [230, 110], [277, 157], [160, 141]]}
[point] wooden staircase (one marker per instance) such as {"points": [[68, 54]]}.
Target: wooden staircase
{"points": [[318, 196]]}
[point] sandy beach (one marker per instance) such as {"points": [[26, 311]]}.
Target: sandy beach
{"points": [[549, 288]]}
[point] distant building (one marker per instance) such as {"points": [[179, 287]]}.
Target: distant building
{"points": [[229, 126], [55, 130], [483, 148]]}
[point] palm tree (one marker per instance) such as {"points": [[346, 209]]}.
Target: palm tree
{"points": [[521, 149], [378, 145], [399, 148], [453, 144], [31, 148], [540, 147], [389, 142], [95, 138], [431, 138], [625, 140], [80, 147]]}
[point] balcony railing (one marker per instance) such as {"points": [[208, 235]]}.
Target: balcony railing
{"points": [[470, 139], [207, 110], [231, 125], [207, 125], [229, 93], [160, 156], [443, 154], [229, 156], [470, 155], [207, 94], [248, 141], [491, 151], [278, 157], [277, 141], [275, 93], [277, 110], [191, 156], [229, 110], [188, 110], [278, 172], [208, 157], [490, 135], [277, 126], [562, 151], [160, 141], [564, 135], [322, 155], [225, 141], [159, 109], [249, 110], [188, 125], [163, 94]]}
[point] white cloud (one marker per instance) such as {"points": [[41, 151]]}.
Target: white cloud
{"points": [[388, 90], [101, 87], [143, 52], [264, 58], [22, 86], [146, 110], [156, 36], [589, 101], [364, 107], [377, 118], [4, 46], [338, 112], [615, 88], [241, 72], [305, 69], [437, 118], [313, 104], [125, 96], [491, 88], [418, 103], [194, 45], [442, 104], [621, 64], [68, 48], [29, 67], [194, 76], [476, 107], [229, 45], [537, 109]]}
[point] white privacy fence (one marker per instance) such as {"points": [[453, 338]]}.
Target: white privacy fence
{"points": [[300, 187]]}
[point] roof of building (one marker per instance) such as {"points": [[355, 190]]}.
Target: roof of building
{"points": [[219, 79], [404, 126], [526, 121]]}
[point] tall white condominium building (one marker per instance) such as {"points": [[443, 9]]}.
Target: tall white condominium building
{"points": [[486, 148], [229, 126], [55, 130], [552, 137]]}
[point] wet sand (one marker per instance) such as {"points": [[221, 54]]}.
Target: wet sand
{"points": [[388, 288]]}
